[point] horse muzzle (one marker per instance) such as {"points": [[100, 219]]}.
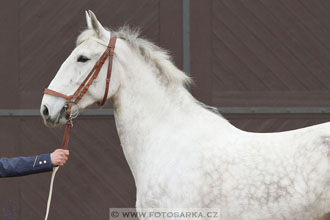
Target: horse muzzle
{"points": [[52, 117]]}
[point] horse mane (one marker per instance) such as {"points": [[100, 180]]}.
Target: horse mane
{"points": [[153, 54]]}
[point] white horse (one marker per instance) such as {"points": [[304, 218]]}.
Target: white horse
{"points": [[184, 155]]}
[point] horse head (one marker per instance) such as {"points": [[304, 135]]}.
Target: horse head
{"points": [[90, 46]]}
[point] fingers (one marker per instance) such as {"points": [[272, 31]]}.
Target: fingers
{"points": [[62, 151], [61, 163], [64, 157], [59, 157]]}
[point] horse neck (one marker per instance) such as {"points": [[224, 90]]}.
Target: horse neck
{"points": [[142, 104]]}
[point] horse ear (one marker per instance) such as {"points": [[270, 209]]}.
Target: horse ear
{"points": [[94, 24], [88, 20]]}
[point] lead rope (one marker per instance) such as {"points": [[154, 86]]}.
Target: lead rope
{"points": [[80, 92], [55, 169], [65, 142]]}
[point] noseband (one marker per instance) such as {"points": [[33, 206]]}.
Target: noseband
{"points": [[84, 86]]}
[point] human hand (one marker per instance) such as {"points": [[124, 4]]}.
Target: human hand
{"points": [[59, 157]]}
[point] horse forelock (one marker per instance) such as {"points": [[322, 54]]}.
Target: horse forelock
{"points": [[152, 54], [85, 35]]}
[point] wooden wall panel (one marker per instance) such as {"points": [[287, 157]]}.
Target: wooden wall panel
{"points": [[41, 34], [48, 32], [201, 51], [10, 199], [95, 178], [243, 53], [275, 123], [278, 50], [9, 55]]}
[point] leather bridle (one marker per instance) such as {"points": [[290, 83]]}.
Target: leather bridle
{"points": [[77, 96], [83, 88]]}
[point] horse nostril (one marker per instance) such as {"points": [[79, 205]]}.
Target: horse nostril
{"points": [[45, 112]]}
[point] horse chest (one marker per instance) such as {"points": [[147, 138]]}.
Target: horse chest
{"points": [[182, 185]]}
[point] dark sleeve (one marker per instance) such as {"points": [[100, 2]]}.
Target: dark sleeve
{"points": [[19, 166]]}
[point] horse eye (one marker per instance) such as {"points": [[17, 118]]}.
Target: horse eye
{"points": [[82, 59]]}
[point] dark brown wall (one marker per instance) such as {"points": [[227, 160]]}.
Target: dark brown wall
{"points": [[269, 53], [262, 53], [36, 37]]}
